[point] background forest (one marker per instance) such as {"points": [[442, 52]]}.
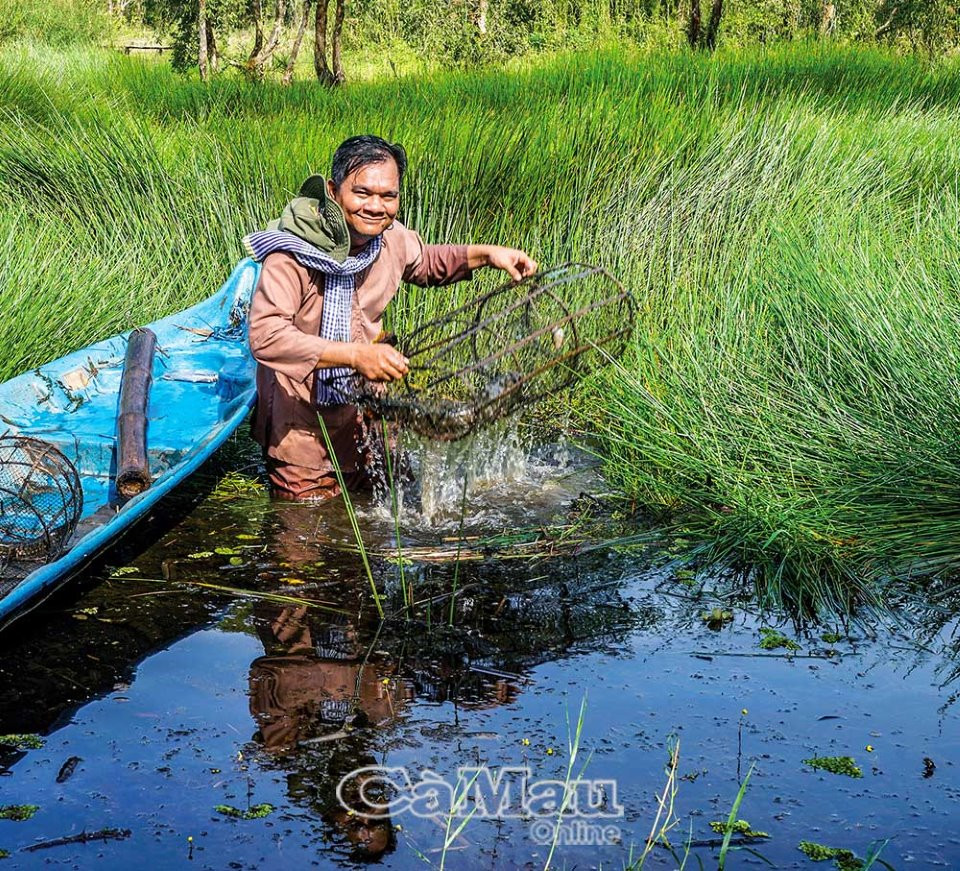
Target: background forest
{"points": [[255, 38]]}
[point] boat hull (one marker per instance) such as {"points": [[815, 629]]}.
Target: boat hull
{"points": [[204, 385]]}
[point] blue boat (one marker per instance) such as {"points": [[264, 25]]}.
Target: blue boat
{"points": [[203, 387]]}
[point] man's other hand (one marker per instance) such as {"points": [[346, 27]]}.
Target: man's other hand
{"points": [[378, 362]]}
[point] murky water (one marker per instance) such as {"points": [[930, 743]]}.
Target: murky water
{"points": [[163, 693]]}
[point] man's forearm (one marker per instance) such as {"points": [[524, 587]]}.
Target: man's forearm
{"points": [[478, 256], [336, 354]]}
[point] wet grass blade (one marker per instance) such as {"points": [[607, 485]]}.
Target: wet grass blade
{"points": [[731, 819]]}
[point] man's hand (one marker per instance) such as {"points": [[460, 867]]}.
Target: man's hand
{"points": [[517, 264], [378, 362]]}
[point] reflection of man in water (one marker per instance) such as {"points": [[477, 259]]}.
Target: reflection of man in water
{"points": [[310, 690]]}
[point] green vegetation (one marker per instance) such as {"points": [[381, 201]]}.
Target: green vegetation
{"points": [[845, 860], [772, 640], [256, 812], [18, 812], [717, 618], [835, 765], [27, 741], [739, 827], [787, 218]]}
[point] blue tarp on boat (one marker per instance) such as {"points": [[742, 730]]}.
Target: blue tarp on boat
{"points": [[203, 386]]}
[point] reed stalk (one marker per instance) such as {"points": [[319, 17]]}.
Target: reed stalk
{"points": [[351, 515]]}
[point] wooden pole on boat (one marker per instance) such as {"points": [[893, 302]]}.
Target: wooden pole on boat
{"points": [[133, 465]]}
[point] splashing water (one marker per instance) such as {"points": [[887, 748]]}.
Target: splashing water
{"points": [[493, 477]]}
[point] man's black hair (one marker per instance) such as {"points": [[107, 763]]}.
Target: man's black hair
{"points": [[358, 151]]}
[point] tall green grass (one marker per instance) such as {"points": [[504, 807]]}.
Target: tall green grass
{"points": [[788, 220]]}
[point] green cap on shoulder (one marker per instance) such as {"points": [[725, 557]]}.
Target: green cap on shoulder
{"points": [[317, 219]]}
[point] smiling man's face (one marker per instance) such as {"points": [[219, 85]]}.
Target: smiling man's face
{"points": [[370, 198]]}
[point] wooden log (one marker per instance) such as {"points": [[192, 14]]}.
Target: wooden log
{"points": [[133, 465], [136, 46]]}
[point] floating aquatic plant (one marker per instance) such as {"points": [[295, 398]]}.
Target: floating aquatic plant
{"points": [[717, 618], [25, 741], [739, 827], [772, 640], [835, 765], [845, 860], [18, 812], [255, 812]]}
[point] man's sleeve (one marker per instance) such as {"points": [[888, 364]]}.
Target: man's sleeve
{"points": [[434, 265], [274, 339]]}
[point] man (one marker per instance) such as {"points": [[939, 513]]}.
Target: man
{"points": [[332, 263]]}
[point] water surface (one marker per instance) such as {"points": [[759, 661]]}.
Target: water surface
{"points": [[159, 699]]}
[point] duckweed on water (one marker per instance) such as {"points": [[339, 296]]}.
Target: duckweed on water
{"points": [[739, 827], [835, 765], [22, 742], [831, 638], [845, 860], [18, 812], [256, 812], [772, 640]]}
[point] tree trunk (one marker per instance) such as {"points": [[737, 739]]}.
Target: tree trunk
{"points": [[713, 28], [212, 52], [298, 39], [693, 25], [202, 34], [324, 76], [257, 62], [336, 55], [482, 6], [257, 10]]}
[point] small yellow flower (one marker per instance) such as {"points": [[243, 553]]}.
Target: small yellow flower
{"points": [[869, 748], [398, 827], [549, 751], [525, 742], [385, 681], [189, 839], [744, 712]]}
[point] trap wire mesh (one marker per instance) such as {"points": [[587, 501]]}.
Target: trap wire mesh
{"points": [[40, 504], [506, 349]]}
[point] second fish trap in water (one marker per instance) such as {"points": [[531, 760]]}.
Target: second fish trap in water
{"points": [[505, 349]]}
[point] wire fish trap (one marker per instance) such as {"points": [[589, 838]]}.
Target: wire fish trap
{"points": [[506, 349], [41, 501]]}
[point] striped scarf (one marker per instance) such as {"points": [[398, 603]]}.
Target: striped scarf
{"points": [[338, 291]]}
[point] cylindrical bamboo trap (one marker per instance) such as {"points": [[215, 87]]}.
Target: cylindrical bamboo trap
{"points": [[505, 349]]}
